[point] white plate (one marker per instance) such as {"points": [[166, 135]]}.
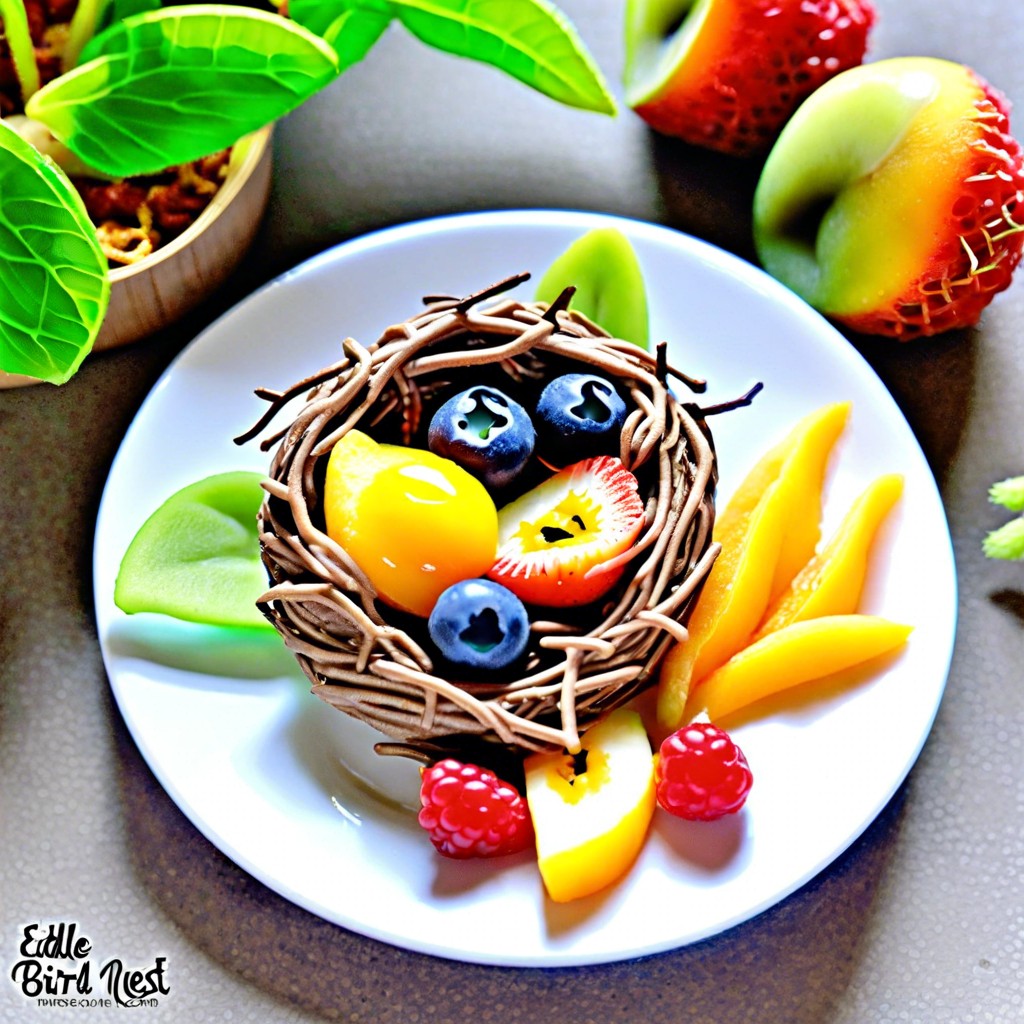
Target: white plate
{"points": [[255, 762]]}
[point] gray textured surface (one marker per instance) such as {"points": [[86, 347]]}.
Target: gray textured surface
{"points": [[922, 920]]}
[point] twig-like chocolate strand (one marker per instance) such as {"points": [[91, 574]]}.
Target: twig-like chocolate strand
{"points": [[325, 608]]}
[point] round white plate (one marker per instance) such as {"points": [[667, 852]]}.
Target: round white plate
{"points": [[255, 761]]}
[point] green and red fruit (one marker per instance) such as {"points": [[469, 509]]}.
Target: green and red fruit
{"points": [[728, 74], [557, 542], [893, 201]]}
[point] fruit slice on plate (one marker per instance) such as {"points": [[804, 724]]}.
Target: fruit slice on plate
{"points": [[831, 583], [727, 74], [803, 652], [555, 541], [413, 522], [767, 531], [893, 200], [591, 822]]}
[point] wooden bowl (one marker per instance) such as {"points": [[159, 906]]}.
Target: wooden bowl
{"points": [[161, 288]]}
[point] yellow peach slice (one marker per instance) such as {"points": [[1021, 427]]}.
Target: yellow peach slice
{"points": [[731, 604], [832, 581], [768, 531], [591, 825], [800, 653]]}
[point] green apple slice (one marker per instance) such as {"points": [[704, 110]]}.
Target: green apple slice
{"points": [[197, 557], [610, 290]]}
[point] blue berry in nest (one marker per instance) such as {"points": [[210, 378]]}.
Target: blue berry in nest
{"points": [[579, 415], [480, 624], [485, 432]]}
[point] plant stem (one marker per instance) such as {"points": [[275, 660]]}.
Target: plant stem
{"points": [[19, 39], [82, 28]]}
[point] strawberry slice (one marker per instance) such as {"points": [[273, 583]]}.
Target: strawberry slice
{"points": [[553, 540]]}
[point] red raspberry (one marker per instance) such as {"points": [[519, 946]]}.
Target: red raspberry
{"points": [[470, 812], [701, 774]]}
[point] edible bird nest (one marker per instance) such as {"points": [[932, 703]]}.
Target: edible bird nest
{"points": [[378, 664]]}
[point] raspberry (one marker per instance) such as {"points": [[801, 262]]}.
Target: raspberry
{"points": [[470, 812], [701, 774]]}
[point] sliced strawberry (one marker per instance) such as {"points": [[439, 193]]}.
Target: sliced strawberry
{"points": [[731, 77], [553, 540]]}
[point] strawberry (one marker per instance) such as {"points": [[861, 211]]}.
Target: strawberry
{"points": [[905, 231], [983, 241], [554, 539], [735, 70]]}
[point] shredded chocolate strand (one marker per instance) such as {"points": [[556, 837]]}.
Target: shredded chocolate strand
{"points": [[575, 670]]}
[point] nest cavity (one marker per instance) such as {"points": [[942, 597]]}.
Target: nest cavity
{"points": [[378, 664]]}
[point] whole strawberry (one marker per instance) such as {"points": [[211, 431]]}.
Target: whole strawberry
{"points": [[733, 71], [701, 774], [470, 812]]}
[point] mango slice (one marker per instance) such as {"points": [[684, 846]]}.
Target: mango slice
{"points": [[833, 580], [799, 653], [731, 604], [768, 531]]}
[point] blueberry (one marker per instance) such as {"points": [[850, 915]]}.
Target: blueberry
{"points": [[479, 623], [485, 432], [579, 415]]}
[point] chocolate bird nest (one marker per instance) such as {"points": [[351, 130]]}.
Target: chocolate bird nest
{"points": [[378, 664]]}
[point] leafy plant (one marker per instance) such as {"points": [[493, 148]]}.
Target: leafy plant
{"points": [[144, 88], [1008, 540]]}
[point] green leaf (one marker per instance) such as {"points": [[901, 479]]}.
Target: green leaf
{"points": [[531, 40], [352, 31], [609, 283], [1008, 493], [54, 287], [170, 86], [1006, 542], [197, 557]]}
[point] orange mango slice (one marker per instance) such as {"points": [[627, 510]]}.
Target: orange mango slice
{"points": [[799, 653], [768, 531], [832, 582], [731, 604]]}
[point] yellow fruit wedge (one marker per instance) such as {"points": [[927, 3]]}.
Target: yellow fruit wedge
{"points": [[731, 604], [802, 479], [590, 825], [768, 531], [800, 653], [832, 581]]}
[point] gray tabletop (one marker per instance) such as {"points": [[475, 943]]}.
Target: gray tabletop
{"points": [[922, 919]]}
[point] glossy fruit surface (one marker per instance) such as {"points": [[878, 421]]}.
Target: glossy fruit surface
{"points": [[554, 540], [470, 812], [893, 199], [772, 520], [801, 653], [578, 415], [701, 774], [479, 623], [485, 432], [727, 74], [590, 824], [413, 522], [832, 581]]}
